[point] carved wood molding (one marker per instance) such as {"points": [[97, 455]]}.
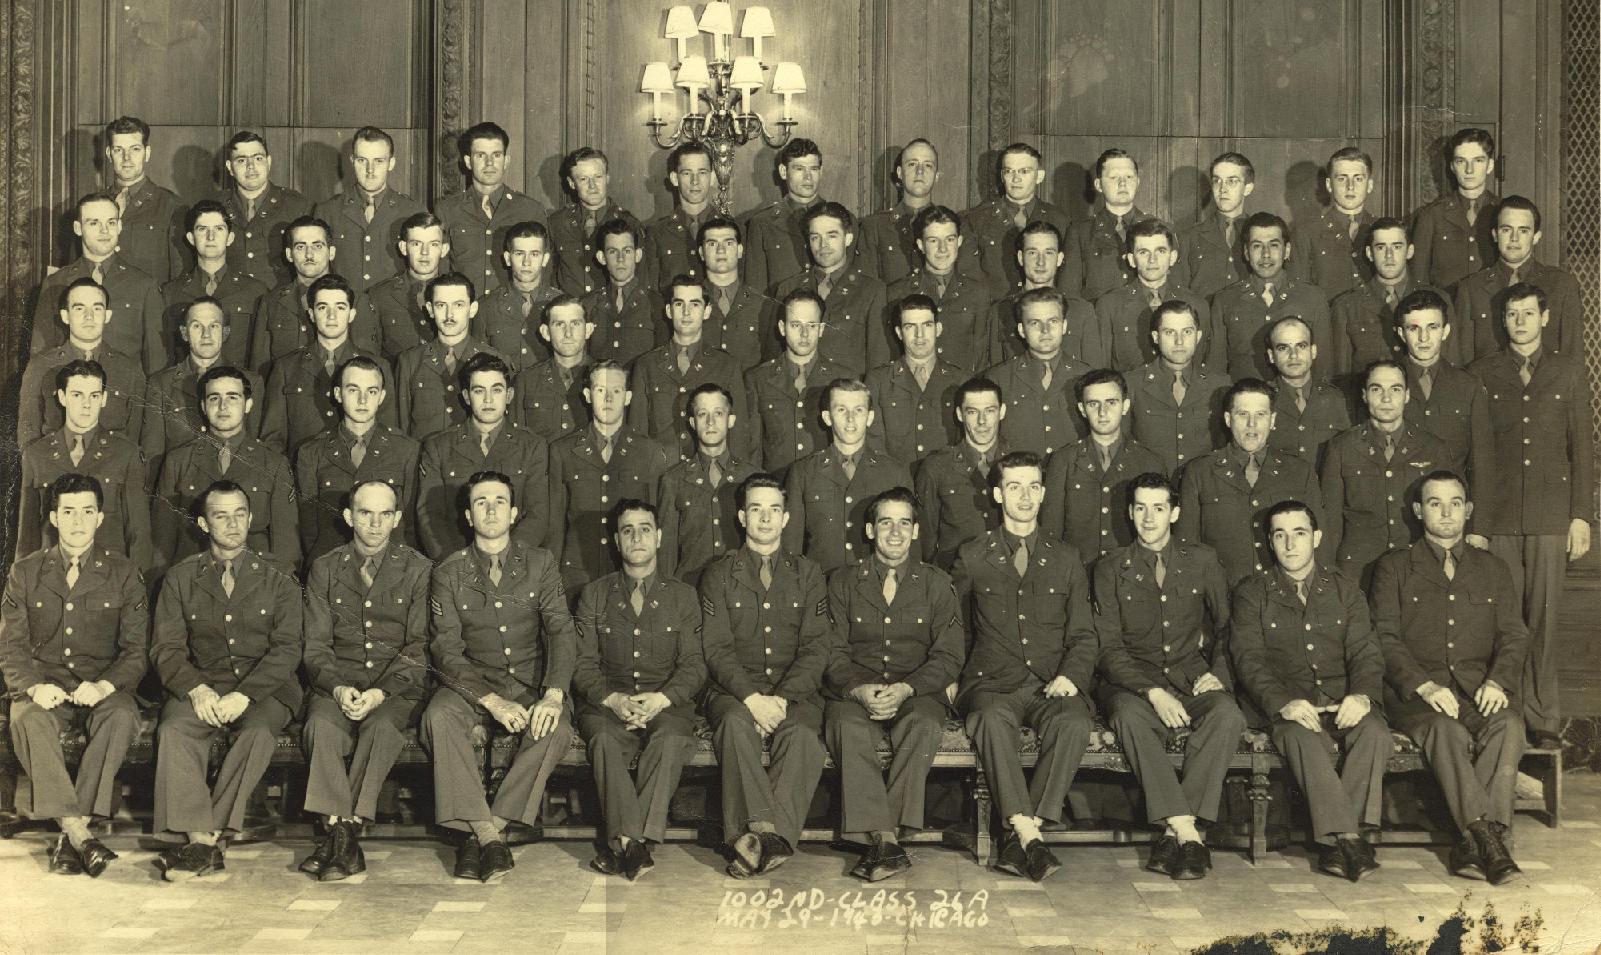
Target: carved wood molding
{"points": [[452, 91], [1423, 104], [991, 102]]}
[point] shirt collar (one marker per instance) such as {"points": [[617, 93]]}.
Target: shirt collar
{"points": [[883, 570], [1439, 552], [482, 559], [1012, 540], [629, 582]]}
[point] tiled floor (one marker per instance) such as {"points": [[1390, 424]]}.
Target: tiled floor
{"points": [[1100, 902]]}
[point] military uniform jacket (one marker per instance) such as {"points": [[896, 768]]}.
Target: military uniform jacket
{"points": [[1207, 263], [746, 330], [1220, 508], [655, 652], [172, 414], [451, 456], [886, 247], [365, 252], [1457, 411], [117, 464], [403, 323], [324, 476], [857, 336], [1243, 320], [660, 405], [282, 325], [98, 629], [501, 323], [1178, 432], [1458, 632], [584, 489], [364, 637], [135, 304], [548, 407], [1026, 630], [672, 245], [39, 413], [248, 642], [1304, 434], [1087, 506], [699, 523], [776, 641], [989, 231], [1094, 264], [828, 512], [152, 231], [1321, 652], [911, 422], [477, 241], [1327, 256], [515, 639], [298, 402], [1039, 419], [953, 487], [775, 242], [964, 317], [1544, 451], [239, 294], [1161, 637], [624, 335], [258, 244], [578, 272], [787, 425], [1481, 300], [264, 474], [1124, 314], [428, 398], [1084, 338], [1370, 499], [917, 640], [1364, 331], [1447, 249]]}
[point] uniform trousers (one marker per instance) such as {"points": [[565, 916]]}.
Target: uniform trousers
{"points": [[36, 740], [1062, 724], [372, 745], [667, 742], [1474, 786], [1539, 563], [447, 733], [868, 805], [781, 793], [183, 746], [1214, 735], [1343, 799]]}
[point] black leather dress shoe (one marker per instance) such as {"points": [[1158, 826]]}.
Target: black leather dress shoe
{"points": [[495, 861], [95, 856], [467, 858], [1464, 860], [892, 861], [776, 851], [194, 860], [318, 860], [1498, 865], [608, 862], [1331, 859], [1010, 857], [869, 859], [1194, 861], [637, 860], [345, 857], [747, 854], [1042, 862], [64, 859], [1359, 858], [1164, 854], [1545, 739]]}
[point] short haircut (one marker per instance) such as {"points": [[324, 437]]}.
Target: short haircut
{"points": [[1388, 222], [204, 207], [1291, 506], [373, 482], [220, 486], [1519, 291], [307, 221], [1018, 459], [1248, 386], [1040, 227], [484, 477], [685, 280], [91, 197], [582, 154], [421, 220], [84, 282], [606, 364], [1018, 149], [530, 229], [360, 363], [934, 215], [211, 301], [914, 302], [1265, 220], [1100, 376], [79, 367], [128, 124], [70, 483], [1287, 321], [1111, 154], [243, 137], [1519, 204], [618, 226], [719, 222], [1174, 306], [372, 134], [895, 495], [919, 141], [978, 386], [829, 210], [1153, 481], [756, 482], [484, 361], [484, 130], [1443, 474], [1472, 134], [1147, 228], [798, 148], [849, 386], [1233, 158], [1380, 363], [802, 295], [628, 504], [560, 301], [708, 388], [1421, 300], [333, 281], [1350, 154], [219, 372], [675, 159], [1045, 295], [447, 280]]}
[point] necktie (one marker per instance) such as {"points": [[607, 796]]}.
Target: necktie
{"points": [[725, 301], [72, 573], [1179, 389], [250, 209], [1253, 469], [1267, 295], [488, 207], [76, 454], [1389, 448], [1389, 295], [890, 586], [920, 373], [98, 274], [939, 285], [1426, 384], [122, 202], [825, 285], [1152, 298], [1300, 400], [1352, 230], [766, 573], [591, 223], [484, 441], [1020, 559], [1104, 451], [637, 599], [683, 360], [850, 468], [369, 572], [1526, 373], [1019, 216], [1228, 233], [714, 474], [1473, 211], [1512, 279], [528, 304], [494, 570], [1161, 571], [1450, 566], [1300, 591], [1045, 378], [800, 379], [605, 450], [227, 577], [369, 209], [358, 451], [328, 362], [224, 458], [619, 300], [211, 284], [450, 361], [1122, 230]]}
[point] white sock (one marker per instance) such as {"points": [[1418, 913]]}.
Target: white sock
{"points": [[1184, 828], [1027, 828]]}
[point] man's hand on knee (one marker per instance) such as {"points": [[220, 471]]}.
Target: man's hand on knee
{"points": [[47, 696]]}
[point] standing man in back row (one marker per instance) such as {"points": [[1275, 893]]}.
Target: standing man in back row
{"points": [[366, 220], [992, 228], [476, 218], [775, 235]]}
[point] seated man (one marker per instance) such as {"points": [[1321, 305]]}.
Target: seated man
{"points": [[898, 639], [226, 644], [1161, 610], [62, 674], [1450, 685], [639, 670], [1323, 695], [501, 639], [767, 642], [366, 672]]}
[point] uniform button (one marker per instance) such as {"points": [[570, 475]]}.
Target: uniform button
{"points": [[502, 628], [69, 605], [636, 674], [1450, 623], [1451, 597], [69, 629], [369, 604], [1450, 646], [230, 641], [68, 650], [497, 604], [227, 617], [369, 664], [368, 644], [636, 652], [1309, 646]]}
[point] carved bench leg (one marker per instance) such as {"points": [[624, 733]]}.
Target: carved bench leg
{"points": [[1552, 786], [981, 809], [1260, 798]]}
